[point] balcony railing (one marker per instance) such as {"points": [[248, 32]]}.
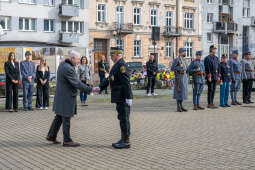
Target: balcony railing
{"points": [[68, 10], [123, 28], [69, 38], [225, 27], [172, 31]]}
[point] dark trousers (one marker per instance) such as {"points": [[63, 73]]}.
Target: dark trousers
{"points": [[123, 115], [83, 95], [55, 126], [11, 95], [211, 91], [151, 84], [102, 79], [247, 88], [42, 96]]}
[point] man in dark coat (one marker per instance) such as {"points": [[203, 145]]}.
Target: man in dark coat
{"points": [[121, 94], [211, 63], [65, 99], [152, 69]]}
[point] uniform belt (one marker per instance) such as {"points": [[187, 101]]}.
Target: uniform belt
{"points": [[182, 72], [200, 73], [249, 71], [237, 72]]}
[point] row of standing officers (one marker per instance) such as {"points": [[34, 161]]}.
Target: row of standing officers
{"points": [[230, 74]]}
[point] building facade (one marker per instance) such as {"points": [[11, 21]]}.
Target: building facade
{"points": [[44, 22], [128, 24], [230, 24]]}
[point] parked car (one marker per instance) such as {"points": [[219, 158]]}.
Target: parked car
{"points": [[134, 66], [2, 81]]}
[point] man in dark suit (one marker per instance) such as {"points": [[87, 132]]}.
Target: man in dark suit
{"points": [[121, 94], [65, 105], [11, 68]]}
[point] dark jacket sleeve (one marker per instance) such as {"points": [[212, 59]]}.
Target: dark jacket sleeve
{"points": [[38, 77], [125, 84], [7, 71], [72, 78]]}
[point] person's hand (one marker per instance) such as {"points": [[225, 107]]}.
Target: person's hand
{"points": [[154, 73], [198, 69], [210, 79], [129, 102], [29, 79], [45, 81], [96, 89], [14, 81]]}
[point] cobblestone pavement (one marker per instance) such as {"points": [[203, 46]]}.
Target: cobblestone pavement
{"points": [[161, 138]]}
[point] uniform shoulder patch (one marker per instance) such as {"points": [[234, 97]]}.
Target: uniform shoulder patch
{"points": [[123, 69]]}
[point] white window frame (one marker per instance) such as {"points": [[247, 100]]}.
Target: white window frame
{"points": [[78, 3], [169, 18], [50, 26], [120, 14], [79, 31], [189, 20], [169, 49], [209, 34], [189, 49], [154, 17], [210, 1], [120, 43], [27, 1], [49, 2], [5, 20], [30, 24], [137, 48], [102, 12], [209, 18], [137, 15]]}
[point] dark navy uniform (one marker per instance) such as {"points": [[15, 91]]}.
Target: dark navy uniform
{"points": [[211, 64], [248, 74], [197, 70], [225, 79], [119, 81]]}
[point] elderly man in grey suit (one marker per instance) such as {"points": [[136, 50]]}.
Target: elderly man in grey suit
{"points": [[65, 99]]}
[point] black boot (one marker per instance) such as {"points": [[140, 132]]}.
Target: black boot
{"points": [[183, 109], [179, 107], [123, 143]]}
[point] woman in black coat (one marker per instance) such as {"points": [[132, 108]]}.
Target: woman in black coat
{"points": [[12, 72], [42, 77]]}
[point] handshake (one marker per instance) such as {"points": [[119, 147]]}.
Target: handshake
{"points": [[96, 89]]}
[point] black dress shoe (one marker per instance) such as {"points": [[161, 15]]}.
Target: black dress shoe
{"points": [[71, 144], [179, 109], [15, 110], [30, 109], [250, 102], [51, 139], [122, 144], [246, 102], [183, 109], [227, 105], [222, 106]]}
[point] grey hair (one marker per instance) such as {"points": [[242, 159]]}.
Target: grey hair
{"points": [[73, 53]]}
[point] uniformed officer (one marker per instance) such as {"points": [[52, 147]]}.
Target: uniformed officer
{"points": [[211, 63], [236, 76], [224, 70], [197, 70], [121, 94], [248, 76], [180, 67]]}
